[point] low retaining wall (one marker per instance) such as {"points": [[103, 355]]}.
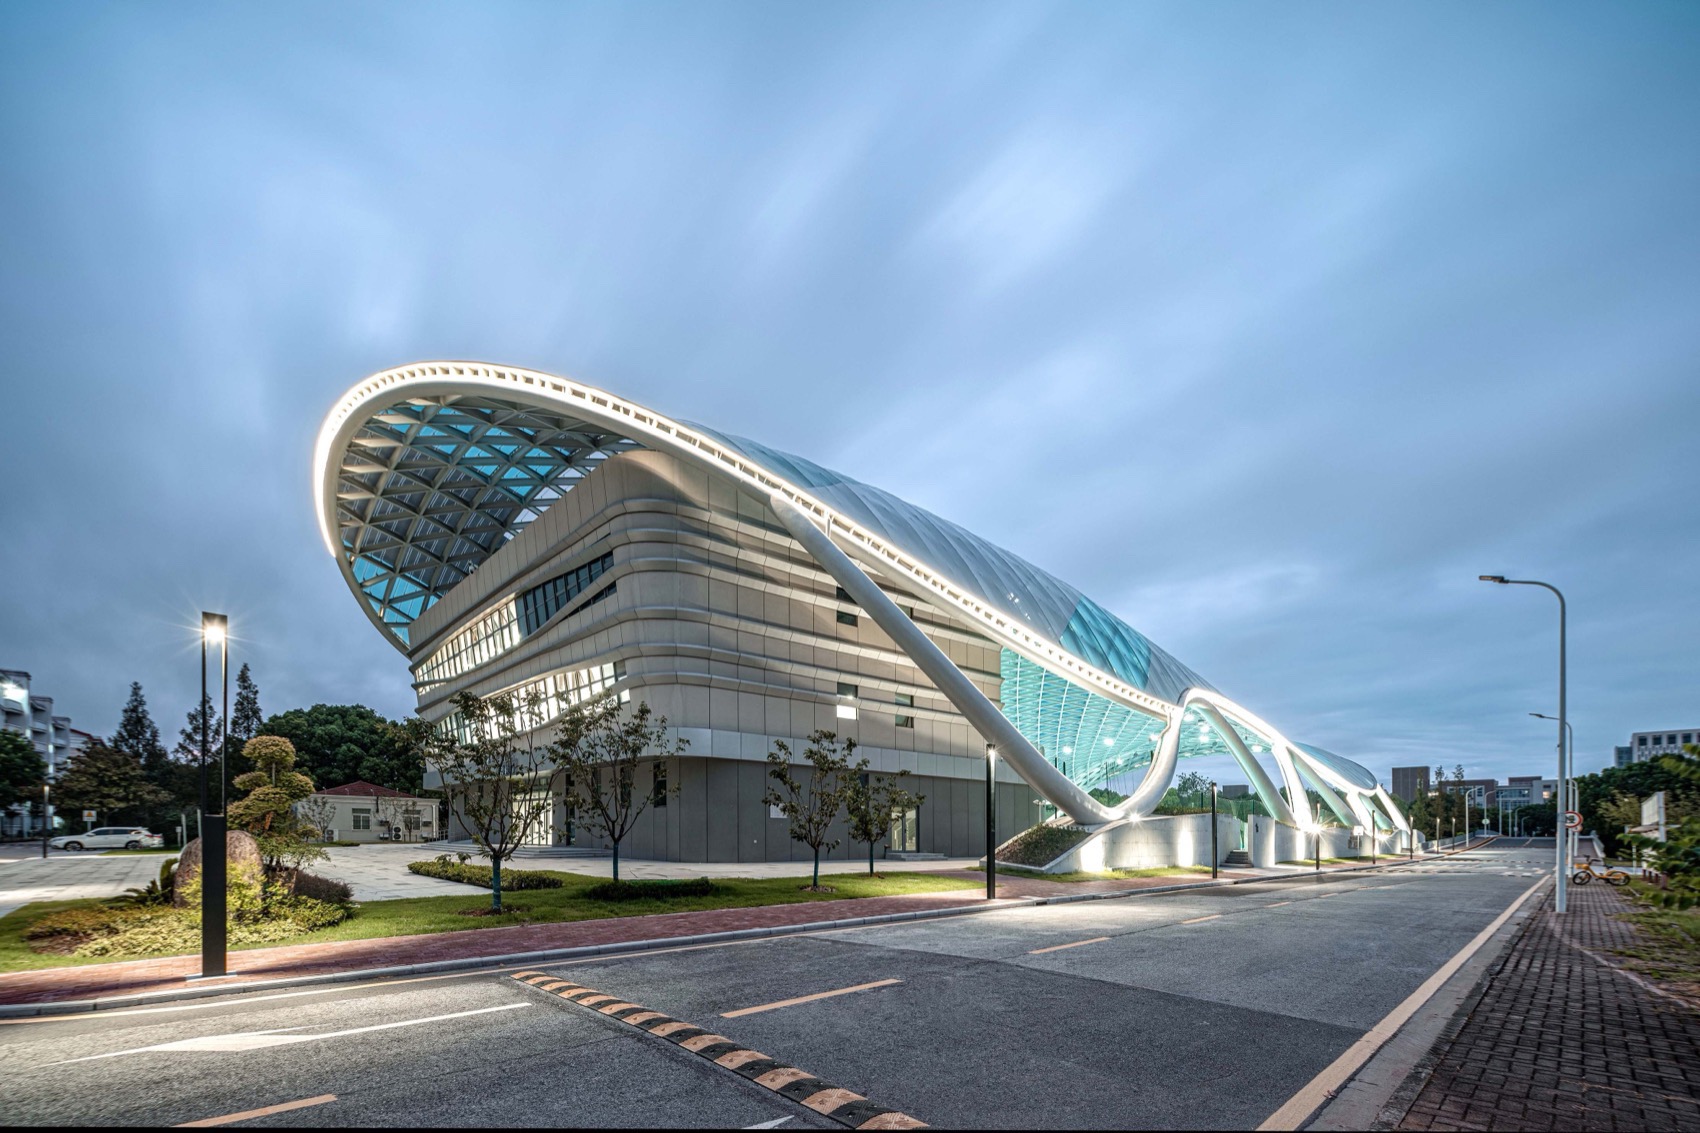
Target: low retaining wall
{"points": [[1161, 840], [1271, 842], [1149, 843]]}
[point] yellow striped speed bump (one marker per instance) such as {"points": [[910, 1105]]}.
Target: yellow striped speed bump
{"points": [[799, 1086]]}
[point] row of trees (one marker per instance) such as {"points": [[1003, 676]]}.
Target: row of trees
{"points": [[132, 776], [503, 762]]}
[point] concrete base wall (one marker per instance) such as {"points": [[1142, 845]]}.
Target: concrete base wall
{"points": [[1270, 842], [1150, 843]]}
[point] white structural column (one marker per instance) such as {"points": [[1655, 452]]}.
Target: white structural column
{"points": [[1334, 802], [985, 717], [1260, 780], [1392, 809], [1158, 776]]}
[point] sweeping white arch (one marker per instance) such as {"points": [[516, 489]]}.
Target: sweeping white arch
{"points": [[610, 423]]}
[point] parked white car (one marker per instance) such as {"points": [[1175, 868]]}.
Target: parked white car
{"points": [[110, 838]]}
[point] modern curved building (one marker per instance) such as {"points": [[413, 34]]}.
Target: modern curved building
{"points": [[507, 529]]}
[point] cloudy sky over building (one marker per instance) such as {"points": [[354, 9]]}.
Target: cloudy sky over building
{"points": [[1269, 327]]}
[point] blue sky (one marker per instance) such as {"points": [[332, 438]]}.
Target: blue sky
{"points": [[1269, 326]]}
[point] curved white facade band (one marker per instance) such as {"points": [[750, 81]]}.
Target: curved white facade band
{"points": [[424, 473]]}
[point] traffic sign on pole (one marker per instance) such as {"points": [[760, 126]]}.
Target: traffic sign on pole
{"points": [[1572, 820]]}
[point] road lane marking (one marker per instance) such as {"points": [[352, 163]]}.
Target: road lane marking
{"points": [[1277, 904], [843, 1106], [774, 1124], [805, 999], [258, 1040], [1198, 920], [263, 1111], [223, 1001], [1073, 944], [1299, 1108]]}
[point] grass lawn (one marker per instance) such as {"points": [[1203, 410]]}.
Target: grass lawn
{"points": [[1006, 870], [412, 915]]}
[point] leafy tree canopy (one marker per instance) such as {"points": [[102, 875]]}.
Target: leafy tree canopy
{"points": [[104, 779], [21, 770], [339, 743]]}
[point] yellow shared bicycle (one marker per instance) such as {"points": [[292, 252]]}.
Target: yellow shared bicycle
{"points": [[1589, 870]]}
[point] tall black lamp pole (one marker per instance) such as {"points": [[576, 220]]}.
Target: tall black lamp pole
{"points": [[214, 872], [991, 823]]}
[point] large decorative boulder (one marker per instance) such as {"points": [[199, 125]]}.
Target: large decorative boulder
{"points": [[242, 853]]}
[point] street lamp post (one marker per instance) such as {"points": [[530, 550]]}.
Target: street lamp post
{"points": [[46, 810], [1559, 903], [214, 629], [1562, 832], [991, 822], [1214, 868]]}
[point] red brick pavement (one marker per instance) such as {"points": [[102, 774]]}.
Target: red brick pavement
{"points": [[140, 976], [1562, 1038]]}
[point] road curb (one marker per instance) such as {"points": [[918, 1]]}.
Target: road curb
{"points": [[556, 955]]}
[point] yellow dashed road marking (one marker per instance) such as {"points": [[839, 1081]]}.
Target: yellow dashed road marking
{"points": [[1074, 944], [805, 999]]}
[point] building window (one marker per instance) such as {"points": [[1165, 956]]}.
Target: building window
{"points": [[846, 711], [1688, 737], [849, 690], [545, 600], [843, 594], [1670, 739], [905, 700], [362, 819], [906, 721], [846, 618], [1640, 741]]}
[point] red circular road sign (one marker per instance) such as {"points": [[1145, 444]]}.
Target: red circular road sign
{"points": [[1572, 820]]}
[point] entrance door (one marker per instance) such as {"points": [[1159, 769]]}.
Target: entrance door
{"points": [[540, 831], [906, 830]]}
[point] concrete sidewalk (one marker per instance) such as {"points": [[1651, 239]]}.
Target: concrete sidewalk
{"points": [[1561, 1036]]}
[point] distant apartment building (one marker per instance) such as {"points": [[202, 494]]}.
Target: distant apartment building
{"points": [[1651, 745], [1410, 783], [30, 714]]}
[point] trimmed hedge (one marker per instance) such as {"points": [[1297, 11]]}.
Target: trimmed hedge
{"points": [[649, 890], [512, 879], [1041, 845]]}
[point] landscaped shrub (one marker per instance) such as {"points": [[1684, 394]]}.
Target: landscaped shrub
{"points": [[647, 890], [1041, 845], [480, 875], [322, 888], [155, 930]]}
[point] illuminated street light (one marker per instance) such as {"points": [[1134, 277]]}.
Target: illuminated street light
{"points": [[214, 865], [1559, 903]]}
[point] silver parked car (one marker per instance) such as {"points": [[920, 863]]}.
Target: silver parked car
{"points": [[110, 838]]}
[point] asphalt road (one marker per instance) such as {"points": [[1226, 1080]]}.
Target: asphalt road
{"points": [[1190, 1010]]}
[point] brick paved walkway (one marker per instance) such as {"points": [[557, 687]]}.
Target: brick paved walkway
{"points": [[133, 977], [1561, 1039]]}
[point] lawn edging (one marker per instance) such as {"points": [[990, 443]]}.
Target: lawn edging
{"points": [[554, 955]]}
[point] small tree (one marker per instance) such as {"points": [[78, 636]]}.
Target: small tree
{"points": [[491, 764], [269, 810], [811, 807], [101, 778], [872, 802], [1193, 786], [600, 749], [21, 770], [316, 813]]}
